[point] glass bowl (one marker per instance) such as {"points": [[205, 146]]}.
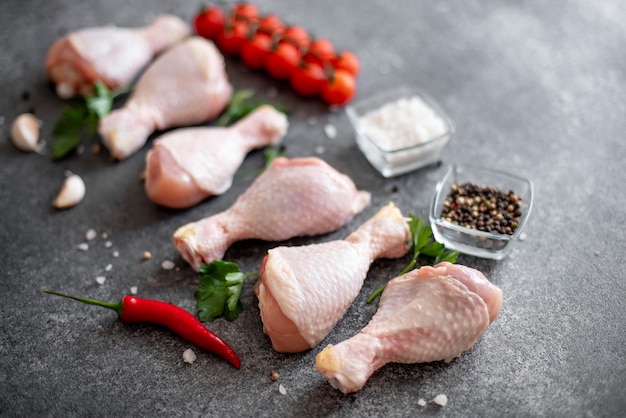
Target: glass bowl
{"points": [[473, 241], [392, 160]]}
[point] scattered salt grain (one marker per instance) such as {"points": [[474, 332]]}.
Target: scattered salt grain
{"points": [[146, 256], [133, 290], [104, 235], [189, 356], [91, 234], [330, 131], [100, 280], [168, 265], [522, 236], [440, 400], [108, 244], [83, 246], [108, 267], [116, 253], [421, 403], [282, 390], [319, 149]]}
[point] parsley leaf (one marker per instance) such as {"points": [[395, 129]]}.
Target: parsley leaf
{"points": [[219, 290], [423, 243], [240, 106], [271, 153], [85, 115]]}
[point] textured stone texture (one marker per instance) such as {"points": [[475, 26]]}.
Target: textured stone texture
{"points": [[535, 88]]}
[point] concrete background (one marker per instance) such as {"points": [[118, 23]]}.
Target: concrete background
{"points": [[535, 88]]}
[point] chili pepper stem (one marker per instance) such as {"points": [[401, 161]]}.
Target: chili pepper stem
{"points": [[116, 306]]}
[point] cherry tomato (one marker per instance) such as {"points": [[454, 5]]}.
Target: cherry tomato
{"points": [[307, 80], [297, 36], [271, 24], [232, 39], [339, 88], [254, 53], [283, 61], [348, 61], [321, 48], [245, 11], [209, 22]]}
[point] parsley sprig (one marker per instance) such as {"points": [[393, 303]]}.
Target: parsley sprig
{"points": [[84, 116], [219, 290], [423, 243], [241, 104]]}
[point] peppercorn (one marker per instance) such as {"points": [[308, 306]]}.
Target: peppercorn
{"points": [[483, 208]]}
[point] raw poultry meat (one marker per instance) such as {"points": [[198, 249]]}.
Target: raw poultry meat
{"points": [[293, 197], [111, 55], [188, 165], [304, 291], [430, 314], [185, 85]]}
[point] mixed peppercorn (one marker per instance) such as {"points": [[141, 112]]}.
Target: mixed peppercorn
{"points": [[483, 208]]}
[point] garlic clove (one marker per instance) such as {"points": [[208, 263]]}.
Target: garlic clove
{"points": [[25, 132], [71, 193]]}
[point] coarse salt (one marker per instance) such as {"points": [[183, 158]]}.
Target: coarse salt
{"points": [[421, 403], [440, 400], [168, 265], [83, 246], [100, 280], [116, 253], [189, 356], [406, 122], [108, 267], [282, 390], [133, 290], [319, 149], [91, 234], [330, 130]]}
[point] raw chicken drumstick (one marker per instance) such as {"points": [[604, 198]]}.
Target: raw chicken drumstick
{"points": [[111, 55], [297, 197], [187, 165], [304, 291], [186, 85], [430, 314]]}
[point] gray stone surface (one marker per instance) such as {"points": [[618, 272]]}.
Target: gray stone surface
{"points": [[535, 88]]}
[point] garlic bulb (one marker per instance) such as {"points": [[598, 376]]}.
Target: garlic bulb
{"points": [[25, 132], [71, 193]]}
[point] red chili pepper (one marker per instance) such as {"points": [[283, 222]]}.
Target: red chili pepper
{"points": [[134, 309]]}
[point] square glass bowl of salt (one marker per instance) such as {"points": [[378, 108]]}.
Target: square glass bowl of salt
{"points": [[400, 130]]}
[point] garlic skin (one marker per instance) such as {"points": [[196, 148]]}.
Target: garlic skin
{"points": [[25, 132], [71, 193]]}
